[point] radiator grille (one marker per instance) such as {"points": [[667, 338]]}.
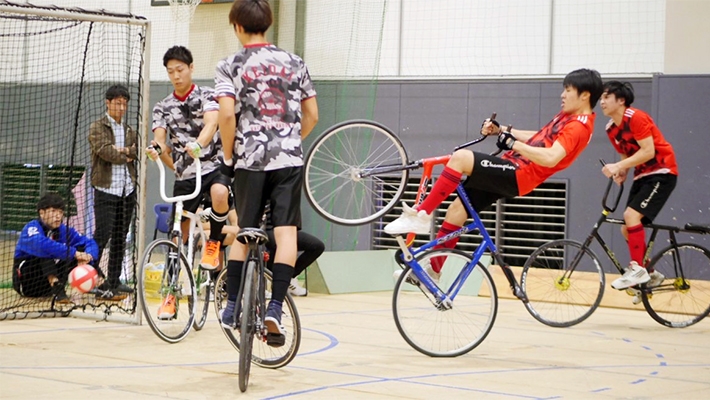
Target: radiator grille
{"points": [[518, 225]]}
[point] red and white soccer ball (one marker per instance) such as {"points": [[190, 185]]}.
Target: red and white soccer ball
{"points": [[83, 278]]}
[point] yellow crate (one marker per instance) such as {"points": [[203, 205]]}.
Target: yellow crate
{"points": [[153, 276]]}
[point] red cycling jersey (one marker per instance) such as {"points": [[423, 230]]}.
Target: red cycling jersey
{"points": [[572, 131], [637, 125]]}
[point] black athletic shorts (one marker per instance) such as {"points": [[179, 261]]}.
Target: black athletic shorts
{"points": [[492, 178], [649, 194], [282, 187], [188, 185]]}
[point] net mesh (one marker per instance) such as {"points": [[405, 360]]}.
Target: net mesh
{"points": [[183, 10], [53, 78]]}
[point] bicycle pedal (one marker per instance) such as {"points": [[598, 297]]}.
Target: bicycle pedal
{"points": [[632, 292], [275, 339]]}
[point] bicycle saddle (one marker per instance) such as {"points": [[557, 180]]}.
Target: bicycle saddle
{"points": [[252, 235], [697, 228]]}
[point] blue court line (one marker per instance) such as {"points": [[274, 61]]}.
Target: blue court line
{"points": [[333, 342], [411, 379]]}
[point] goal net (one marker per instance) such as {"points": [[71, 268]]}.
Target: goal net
{"points": [[55, 72]]}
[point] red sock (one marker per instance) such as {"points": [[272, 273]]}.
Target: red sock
{"points": [[438, 262], [637, 243], [443, 187]]}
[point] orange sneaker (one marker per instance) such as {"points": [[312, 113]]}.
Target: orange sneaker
{"points": [[167, 309], [210, 255]]}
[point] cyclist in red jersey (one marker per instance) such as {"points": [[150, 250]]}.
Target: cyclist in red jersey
{"points": [[531, 158], [642, 147]]}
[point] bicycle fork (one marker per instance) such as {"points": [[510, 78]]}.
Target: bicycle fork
{"points": [[514, 285]]}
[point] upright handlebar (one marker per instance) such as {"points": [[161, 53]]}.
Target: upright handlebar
{"points": [[484, 137], [606, 193], [195, 193]]}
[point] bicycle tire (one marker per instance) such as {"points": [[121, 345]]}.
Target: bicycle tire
{"points": [[248, 324], [553, 298], [331, 182], [202, 285], [263, 355], [433, 331], [152, 293], [203, 289], [682, 299]]}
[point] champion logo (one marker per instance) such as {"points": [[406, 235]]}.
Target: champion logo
{"points": [[489, 164], [647, 200]]}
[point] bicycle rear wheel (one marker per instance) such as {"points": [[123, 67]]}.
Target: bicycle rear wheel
{"points": [[333, 167], [564, 283], [263, 355], [683, 298], [439, 331], [157, 284]]}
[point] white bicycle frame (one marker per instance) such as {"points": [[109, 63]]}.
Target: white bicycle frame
{"points": [[195, 222]]}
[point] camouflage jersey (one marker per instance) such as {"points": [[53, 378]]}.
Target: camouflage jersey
{"points": [[183, 120], [268, 85]]}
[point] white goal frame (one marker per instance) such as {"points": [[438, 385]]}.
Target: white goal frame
{"points": [[145, 121]]}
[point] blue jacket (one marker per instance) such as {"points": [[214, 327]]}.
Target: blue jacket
{"points": [[35, 241]]}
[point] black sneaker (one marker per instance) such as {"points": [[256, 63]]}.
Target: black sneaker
{"points": [[123, 288], [276, 333], [60, 296], [108, 294]]}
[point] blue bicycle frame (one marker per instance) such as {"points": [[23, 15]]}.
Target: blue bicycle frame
{"points": [[445, 300]]}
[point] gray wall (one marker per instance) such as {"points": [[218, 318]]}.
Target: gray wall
{"points": [[433, 117]]}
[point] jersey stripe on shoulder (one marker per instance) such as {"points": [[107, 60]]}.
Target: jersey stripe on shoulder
{"points": [[629, 112], [583, 119]]}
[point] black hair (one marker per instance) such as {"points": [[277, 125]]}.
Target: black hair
{"points": [[586, 80], [620, 90], [117, 91], [179, 53], [253, 15], [51, 200]]}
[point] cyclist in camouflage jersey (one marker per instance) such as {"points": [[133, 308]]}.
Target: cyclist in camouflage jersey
{"points": [[267, 105], [188, 118]]}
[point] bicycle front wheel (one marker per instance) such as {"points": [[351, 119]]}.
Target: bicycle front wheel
{"points": [[203, 289], [683, 298], [441, 331], [264, 355], [334, 168], [202, 286], [166, 291], [564, 283], [247, 324]]}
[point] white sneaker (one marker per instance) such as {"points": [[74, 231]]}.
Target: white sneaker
{"points": [[657, 279], [637, 295], [412, 279], [296, 289], [411, 220], [634, 275]]}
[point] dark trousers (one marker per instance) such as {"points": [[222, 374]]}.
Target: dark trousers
{"points": [[29, 275], [113, 218], [308, 245]]}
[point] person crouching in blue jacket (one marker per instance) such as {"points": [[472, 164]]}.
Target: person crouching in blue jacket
{"points": [[47, 250]]}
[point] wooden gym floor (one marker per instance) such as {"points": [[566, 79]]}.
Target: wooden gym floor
{"points": [[351, 350]]}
